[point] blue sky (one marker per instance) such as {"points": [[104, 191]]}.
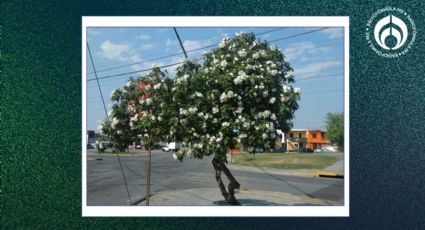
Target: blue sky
{"points": [[317, 59]]}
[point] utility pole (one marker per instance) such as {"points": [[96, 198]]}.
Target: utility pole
{"points": [[181, 44]]}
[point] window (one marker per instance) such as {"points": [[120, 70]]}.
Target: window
{"points": [[314, 135], [300, 135], [323, 135], [291, 135]]}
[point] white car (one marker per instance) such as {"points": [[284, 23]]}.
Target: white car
{"points": [[173, 146], [330, 149], [165, 148]]}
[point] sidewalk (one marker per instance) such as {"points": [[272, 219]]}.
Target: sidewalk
{"points": [[246, 197]]}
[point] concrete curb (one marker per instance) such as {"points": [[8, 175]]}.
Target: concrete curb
{"points": [[287, 172]]}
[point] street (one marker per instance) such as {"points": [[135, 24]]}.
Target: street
{"points": [[105, 184]]}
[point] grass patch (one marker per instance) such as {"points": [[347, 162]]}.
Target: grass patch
{"points": [[287, 160]]}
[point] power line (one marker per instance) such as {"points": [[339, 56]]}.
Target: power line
{"points": [[138, 71], [143, 70], [97, 79], [173, 55], [323, 91], [325, 76], [106, 113], [300, 34]]}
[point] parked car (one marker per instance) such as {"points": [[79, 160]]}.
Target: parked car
{"points": [[330, 149], [165, 148], [318, 150], [172, 146]]}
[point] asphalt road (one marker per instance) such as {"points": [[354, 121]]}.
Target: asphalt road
{"points": [[105, 184]]}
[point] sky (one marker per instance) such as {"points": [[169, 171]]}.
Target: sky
{"points": [[317, 59]]}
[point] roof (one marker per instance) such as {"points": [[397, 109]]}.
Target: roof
{"points": [[298, 130]]}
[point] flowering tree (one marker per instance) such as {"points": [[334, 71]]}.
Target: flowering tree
{"points": [[242, 94], [140, 108]]}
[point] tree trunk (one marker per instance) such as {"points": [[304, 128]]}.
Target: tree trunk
{"points": [[228, 196]]}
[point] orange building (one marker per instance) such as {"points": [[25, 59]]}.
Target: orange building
{"points": [[316, 139]]}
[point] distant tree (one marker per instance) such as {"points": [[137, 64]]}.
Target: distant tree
{"points": [[335, 128]]}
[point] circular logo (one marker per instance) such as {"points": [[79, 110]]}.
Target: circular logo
{"points": [[391, 32]]}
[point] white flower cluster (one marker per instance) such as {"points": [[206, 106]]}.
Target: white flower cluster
{"points": [[297, 90], [270, 126], [134, 119], [192, 110], [239, 109], [215, 110], [240, 78], [225, 96], [286, 88], [113, 92], [264, 114], [198, 94], [114, 122], [272, 72], [223, 64], [198, 145], [183, 111], [157, 86], [272, 100], [242, 53], [225, 124], [182, 79]]}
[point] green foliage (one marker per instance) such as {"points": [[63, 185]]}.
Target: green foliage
{"points": [[335, 128]]}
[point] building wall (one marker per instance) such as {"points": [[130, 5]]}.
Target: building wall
{"points": [[296, 139], [317, 139]]}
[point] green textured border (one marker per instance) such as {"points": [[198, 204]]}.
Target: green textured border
{"points": [[41, 116]]}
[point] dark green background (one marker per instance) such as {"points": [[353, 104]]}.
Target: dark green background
{"points": [[41, 116]]}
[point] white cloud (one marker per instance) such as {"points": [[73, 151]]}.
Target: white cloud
{"points": [[297, 49], [300, 50], [170, 42], [163, 30], [93, 32], [192, 44], [143, 37], [147, 46], [316, 67], [334, 32], [114, 51]]}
